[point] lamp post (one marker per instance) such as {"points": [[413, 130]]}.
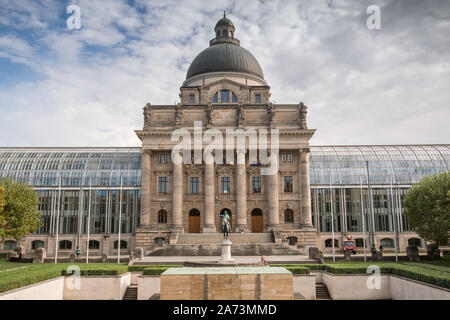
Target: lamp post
{"points": [[80, 210], [373, 250]]}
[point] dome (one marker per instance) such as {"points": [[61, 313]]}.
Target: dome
{"points": [[225, 54], [224, 22], [225, 57]]}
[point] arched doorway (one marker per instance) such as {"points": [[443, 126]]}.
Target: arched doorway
{"points": [[231, 218], [257, 220], [194, 221]]}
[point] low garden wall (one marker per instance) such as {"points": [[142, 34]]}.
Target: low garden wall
{"points": [[52, 289]]}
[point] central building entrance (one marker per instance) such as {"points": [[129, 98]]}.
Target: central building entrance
{"points": [[257, 221], [194, 221]]}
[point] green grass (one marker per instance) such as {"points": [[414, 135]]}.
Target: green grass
{"points": [[433, 272], [33, 273]]}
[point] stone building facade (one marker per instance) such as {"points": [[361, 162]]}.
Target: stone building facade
{"points": [[225, 90]]}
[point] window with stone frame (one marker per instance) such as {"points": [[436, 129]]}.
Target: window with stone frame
{"points": [[192, 98], [162, 184], [94, 244], [256, 184], [162, 216], [257, 98], [287, 158], [288, 216], [194, 185], [287, 184], [163, 158], [65, 245], [123, 244], [225, 185]]}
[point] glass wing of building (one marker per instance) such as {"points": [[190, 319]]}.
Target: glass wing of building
{"points": [[338, 174]]}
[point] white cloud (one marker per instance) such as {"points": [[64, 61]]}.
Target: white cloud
{"points": [[362, 87]]}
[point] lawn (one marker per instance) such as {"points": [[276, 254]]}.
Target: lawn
{"points": [[15, 275], [29, 273]]}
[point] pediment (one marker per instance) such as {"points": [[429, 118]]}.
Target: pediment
{"points": [[222, 82]]}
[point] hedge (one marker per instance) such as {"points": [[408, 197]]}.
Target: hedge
{"points": [[298, 270], [138, 268], [154, 271]]}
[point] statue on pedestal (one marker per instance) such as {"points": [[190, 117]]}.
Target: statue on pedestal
{"points": [[225, 227]]}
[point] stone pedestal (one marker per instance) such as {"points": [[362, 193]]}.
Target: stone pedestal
{"points": [[227, 283], [225, 257]]}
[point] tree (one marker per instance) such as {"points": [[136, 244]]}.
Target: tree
{"points": [[2, 204], [19, 216], [427, 206]]}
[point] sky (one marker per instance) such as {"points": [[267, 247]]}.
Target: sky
{"points": [[87, 87]]}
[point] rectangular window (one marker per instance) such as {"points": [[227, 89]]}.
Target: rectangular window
{"points": [[224, 96], [287, 158], [163, 158], [256, 184], [287, 183], [195, 184], [162, 184], [192, 98], [225, 184], [257, 98]]}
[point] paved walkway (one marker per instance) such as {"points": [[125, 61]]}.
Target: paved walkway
{"points": [[240, 259]]}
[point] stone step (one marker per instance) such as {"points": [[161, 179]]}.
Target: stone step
{"points": [[251, 249], [235, 238], [131, 293], [322, 292]]}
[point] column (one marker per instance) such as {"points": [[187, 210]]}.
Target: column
{"points": [[241, 192], [145, 189], [305, 189], [273, 191], [209, 212], [177, 193]]}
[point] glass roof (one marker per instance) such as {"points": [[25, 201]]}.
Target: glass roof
{"points": [[335, 165], [45, 166], [404, 164]]}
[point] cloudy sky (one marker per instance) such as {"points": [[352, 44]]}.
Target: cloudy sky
{"points": [[87, 87]]}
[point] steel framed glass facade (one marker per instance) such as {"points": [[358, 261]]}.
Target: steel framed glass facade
{"points": [[338, 175]]}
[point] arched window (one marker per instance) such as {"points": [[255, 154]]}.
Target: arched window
{"points": [[159, 241], [37, 244], [94, 244], [289, 216], [224, 33], [415, 242], [387, 243], [9, 245], [65, 245], [292, 240], [328, 243], [123, 244], [226, 96], [162, 216], [359, 243]]}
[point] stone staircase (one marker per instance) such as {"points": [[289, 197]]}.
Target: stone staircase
{"points": [[252, 249], [208, 244], [322, 292], [131, 293], [235, 238]]}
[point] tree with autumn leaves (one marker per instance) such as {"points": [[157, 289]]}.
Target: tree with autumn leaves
{"points": [[19, 214]]}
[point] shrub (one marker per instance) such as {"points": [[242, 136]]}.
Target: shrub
{"points": [[298, 270], [153, 271], [138, 268]]}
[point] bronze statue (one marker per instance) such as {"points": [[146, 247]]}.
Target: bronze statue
{"points": [[225, 227]]}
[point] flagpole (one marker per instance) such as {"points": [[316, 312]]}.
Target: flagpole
{"points": [[332, 222], [373, 248], [120, 220], [393, 223], [89, 220], [363, 219], [57, 220]]}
